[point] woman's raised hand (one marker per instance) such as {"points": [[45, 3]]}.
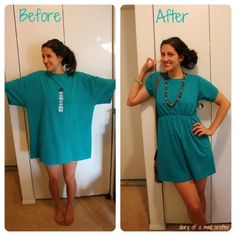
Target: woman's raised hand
{"points": [[149, 65]]}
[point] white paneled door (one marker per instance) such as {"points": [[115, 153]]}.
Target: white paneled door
{"points": [[198, 26], [87, 30], [221, 140]]}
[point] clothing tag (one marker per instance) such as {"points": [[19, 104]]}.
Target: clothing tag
{"points": [[60, 99]]}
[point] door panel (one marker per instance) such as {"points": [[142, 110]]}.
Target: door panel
{"points": [[221, 140]]}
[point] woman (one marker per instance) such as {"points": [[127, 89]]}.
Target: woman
{"points": [[189, 160], [60, 104]]}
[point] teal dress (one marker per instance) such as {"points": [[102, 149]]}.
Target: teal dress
{"points": [[60, 110], [182, 156]]}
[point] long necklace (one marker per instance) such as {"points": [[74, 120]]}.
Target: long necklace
{"points": [[178, 96]]}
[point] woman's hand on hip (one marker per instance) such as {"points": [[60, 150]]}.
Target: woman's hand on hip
{"points": [[199, 129]]}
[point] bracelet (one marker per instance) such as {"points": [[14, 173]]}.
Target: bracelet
{"points": [[138, 81]]}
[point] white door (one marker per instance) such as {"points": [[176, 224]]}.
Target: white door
{"points": [[220, 35], [92, 43], [161, 22]]}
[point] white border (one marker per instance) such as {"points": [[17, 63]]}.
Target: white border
{"points": [[117, 4]]}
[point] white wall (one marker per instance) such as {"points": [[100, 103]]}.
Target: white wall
{"points": [[11, 69], [132, 158], [10, 155]]}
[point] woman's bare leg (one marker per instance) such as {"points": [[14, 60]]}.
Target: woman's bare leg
{"points": [[69, 170], [201, 186], [189, 194], [54, 179]]}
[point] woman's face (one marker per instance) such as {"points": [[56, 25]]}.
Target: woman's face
{"points": [[169, 58], [51, 61]]}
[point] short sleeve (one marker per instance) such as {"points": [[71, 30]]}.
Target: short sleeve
{"points": [[207, 91], [16, 91], [101, 89], [151, 82]]}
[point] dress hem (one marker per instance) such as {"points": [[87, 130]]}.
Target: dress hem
{"points": [[188, 178], [60, 163]]}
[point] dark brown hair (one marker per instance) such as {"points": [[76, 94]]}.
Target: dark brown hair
{"points": [[62, 50], [190, 56]]}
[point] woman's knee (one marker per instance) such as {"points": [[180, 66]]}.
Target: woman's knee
{"points": [[54, 178], [69, 178], [69, 172], [54, 173], [195, 208]]}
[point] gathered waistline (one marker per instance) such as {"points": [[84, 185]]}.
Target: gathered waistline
{"points": [[177, 115]]}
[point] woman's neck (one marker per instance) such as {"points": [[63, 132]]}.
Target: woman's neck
{"points": [[176, 74], [59, 70]]}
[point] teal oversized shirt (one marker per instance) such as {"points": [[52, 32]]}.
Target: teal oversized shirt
{"points": [[59, 135]]}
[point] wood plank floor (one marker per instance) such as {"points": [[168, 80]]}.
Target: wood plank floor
{"points": [[135, 213], [134, 208], [94, 213]]}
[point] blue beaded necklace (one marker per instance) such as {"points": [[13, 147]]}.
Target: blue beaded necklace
{"points": [[168, 103]]}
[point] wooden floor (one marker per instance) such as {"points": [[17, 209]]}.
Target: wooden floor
{"points": [[135, 213], [134, 208], [91, 213], [94, 213]]}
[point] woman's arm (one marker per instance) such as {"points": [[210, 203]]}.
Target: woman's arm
{"points": [[223, 108], [138, 92], [224, 105]]}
